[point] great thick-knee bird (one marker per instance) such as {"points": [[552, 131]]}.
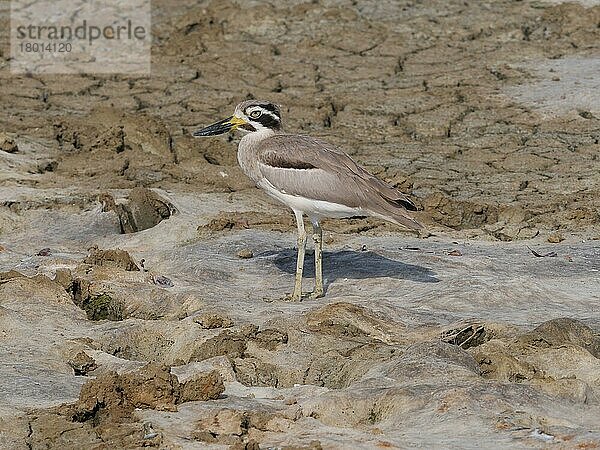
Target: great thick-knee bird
{"points": [[310, 176]]}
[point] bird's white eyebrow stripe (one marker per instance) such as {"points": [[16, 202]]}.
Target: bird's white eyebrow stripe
{"points": [[271, 114], [264, 111]]}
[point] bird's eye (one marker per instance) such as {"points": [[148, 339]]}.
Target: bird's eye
{"points": [[255, 114]]}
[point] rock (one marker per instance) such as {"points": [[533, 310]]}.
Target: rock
{"points": [[563, 331], [245, 253], [118, 259], [205, 386], [111, 394], [555, 238], [230, 343], [8, 144], [211, 320], [82, 363], [144, 209], [162, 281], [270, 338]]}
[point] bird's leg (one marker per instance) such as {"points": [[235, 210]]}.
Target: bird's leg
{"points": [[318, 241], [297, 294]]}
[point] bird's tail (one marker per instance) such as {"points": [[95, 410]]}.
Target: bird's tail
{"points": [[400, 219], [398, 216]]}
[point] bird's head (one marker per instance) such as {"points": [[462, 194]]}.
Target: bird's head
{"points": [[249, 116]]}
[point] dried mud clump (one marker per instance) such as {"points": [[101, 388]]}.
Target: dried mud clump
{"points": [[564, 331], [343, 319], [212, 320], [338, 344], [561, 356], [144, 209], [153, 386], [104, 414], [234, 343], [82, 363], [123, 149], [117, 259], [459, 214], [243, 429], [8, 144], [205, 386]]}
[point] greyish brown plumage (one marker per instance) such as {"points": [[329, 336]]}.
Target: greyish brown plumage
{"points": [[310, 176]]}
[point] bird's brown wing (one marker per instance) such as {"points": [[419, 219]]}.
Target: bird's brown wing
{"points": [[310, 168]]}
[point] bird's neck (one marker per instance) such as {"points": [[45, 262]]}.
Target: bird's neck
{"points": [[247, 152], [257, 136]]}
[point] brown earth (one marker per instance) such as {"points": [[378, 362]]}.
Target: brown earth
{"points": [[142, 272]]}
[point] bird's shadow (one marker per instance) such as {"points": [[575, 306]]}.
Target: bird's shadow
{"points": [[351, 264]]}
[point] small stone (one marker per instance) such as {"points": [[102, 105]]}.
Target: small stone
{"points": [[210, 321], [163, 281], [117, 258], [245, 253], [44, 252], [555, 238], [8, 144], [204, 436], [202, 386], [149, 432], [82, 363]]}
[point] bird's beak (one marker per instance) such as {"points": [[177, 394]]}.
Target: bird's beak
{"points": [[220, 127]]}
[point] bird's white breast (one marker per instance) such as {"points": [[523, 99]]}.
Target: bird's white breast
{"points": [[313, 208]]}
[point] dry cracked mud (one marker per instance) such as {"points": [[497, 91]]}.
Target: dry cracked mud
{"points": [[141, 274]]}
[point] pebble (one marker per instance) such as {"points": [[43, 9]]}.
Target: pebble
{"points": [[555, 238], [163, 281], [245, 253], [8, 144]]}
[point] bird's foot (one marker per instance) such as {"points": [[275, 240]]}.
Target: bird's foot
{"points": [[295, 297], [317, 293]]}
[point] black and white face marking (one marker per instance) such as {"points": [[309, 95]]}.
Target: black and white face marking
{"points": [[261, 116]]}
